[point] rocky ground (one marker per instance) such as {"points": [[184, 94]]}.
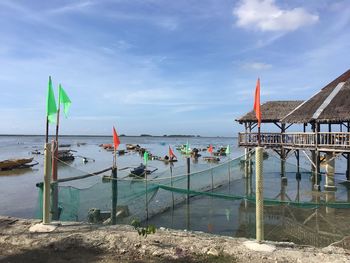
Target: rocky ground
{"points": [[26, 241]]}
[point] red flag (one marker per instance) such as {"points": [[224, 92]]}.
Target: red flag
{"points": [[210, 149], [257, 102], [171, 153], [116, 141]]}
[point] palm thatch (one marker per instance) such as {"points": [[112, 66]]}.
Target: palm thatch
{"points": [[271, 111], [330, 105]]}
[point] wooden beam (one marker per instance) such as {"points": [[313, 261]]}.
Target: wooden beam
{"points": [[276, 123], [288, 126]]}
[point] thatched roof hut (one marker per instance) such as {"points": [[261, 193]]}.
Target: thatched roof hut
{"points": [[330, 105], [271, 111]]}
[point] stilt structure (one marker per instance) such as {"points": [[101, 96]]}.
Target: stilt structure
{"points": [[330, 106], [272, 113]]}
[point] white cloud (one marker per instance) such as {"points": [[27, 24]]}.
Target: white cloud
{"points": [[257, 66], [265, 15], [72, 7]]}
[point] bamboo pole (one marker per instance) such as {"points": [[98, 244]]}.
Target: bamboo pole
{"points": [[188, 179], [114, 196], [146, 194], [171, 183], [47, 130], [47, 184], [259, 191], [54, 149]]}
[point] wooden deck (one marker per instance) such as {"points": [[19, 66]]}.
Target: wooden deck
{"points": [[322, 141]]}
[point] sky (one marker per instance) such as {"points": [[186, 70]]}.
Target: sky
{"points": [[164, 67]]}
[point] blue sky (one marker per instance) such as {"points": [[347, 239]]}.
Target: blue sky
{"points": [[164, 67]]}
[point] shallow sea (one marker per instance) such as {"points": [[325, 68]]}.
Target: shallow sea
{"points": [[303, 224], [19, 195]]}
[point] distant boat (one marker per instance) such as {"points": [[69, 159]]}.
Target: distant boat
{"points": [[140, 171], [16, 163], [65, 155]]}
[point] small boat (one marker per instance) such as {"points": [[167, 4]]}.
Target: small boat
{"points": [[64, 145], [16, 163], [132, 147], [140, 171], [167, 160], [36, 152], [106, 146], [65, 155], [121, 152], [211, 159]]}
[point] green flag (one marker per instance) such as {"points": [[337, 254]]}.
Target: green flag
{"points": [[187, 148], [64, 99], [227, 149], [51, 109], [145, 157]]}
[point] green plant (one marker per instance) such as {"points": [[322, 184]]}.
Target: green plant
{"points": [[143, 231]]}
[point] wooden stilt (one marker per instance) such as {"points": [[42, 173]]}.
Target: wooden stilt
{"points": [[348, 160], [114, 196], [189, 179], [47, 183]]}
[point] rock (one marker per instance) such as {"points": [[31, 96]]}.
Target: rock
{"points": [[255, 246], [213, 252], [122, 211], [157, 253], [205, 250], [137, 245], [41, 228]]}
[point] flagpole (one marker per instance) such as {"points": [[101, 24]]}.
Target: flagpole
{"points": [[47, 130], [259, 137], [54, 165], [115, 158]]}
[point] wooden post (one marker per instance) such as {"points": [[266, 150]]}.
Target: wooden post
{"points": [[283, 155], [171, 183], [47, 183], [318, 172], [313, 157], [259, 192], [330, 168], [297, 154], [55, 211], [188, 179], [146, 194], [348, 159], [114, 196]]}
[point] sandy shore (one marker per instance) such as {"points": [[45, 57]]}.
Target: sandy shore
{"points": [[25, 241]]}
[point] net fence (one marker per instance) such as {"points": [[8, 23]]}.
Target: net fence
{"points": [[91, 199]]}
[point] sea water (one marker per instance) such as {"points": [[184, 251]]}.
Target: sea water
{"points": [[18, 191]]}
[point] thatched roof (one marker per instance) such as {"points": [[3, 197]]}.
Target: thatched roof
{"points": [[271, 111], [330, 105]]}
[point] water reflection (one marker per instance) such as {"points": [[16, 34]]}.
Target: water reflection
{"points": [[304, 224]]}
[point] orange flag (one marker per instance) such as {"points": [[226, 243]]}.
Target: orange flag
{"points": [[171, 153], [210, 149], [257, 102], [116, 141]]}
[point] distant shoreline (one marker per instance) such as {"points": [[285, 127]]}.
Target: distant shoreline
{"points": [[104, 136]]}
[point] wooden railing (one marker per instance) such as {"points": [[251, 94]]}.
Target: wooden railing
{"points": [[336, 140]]}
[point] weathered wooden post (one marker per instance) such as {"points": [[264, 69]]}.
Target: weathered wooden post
{"points": [[55, 213], [114, 196], [171, 183], [47, 183], [259, 191], [188, 178], [146, 194]]}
